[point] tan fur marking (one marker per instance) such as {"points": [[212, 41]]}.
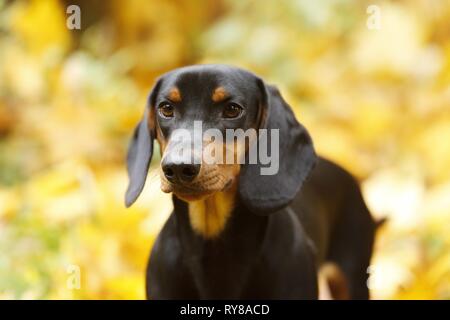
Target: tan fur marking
{"points": [[208, 217], [161, 141], [219, 94], [174, 95], [156, 130], [333, 284], [151, 119]]}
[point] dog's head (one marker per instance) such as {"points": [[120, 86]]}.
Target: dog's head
{"points": [[198, 115]]}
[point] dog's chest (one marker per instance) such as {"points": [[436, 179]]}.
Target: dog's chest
{"points": [[219, 268]]}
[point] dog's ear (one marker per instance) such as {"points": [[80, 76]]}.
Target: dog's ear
{"points": [[140, 150], [264, 194]]}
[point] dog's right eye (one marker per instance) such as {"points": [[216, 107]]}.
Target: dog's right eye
{"points": [[165, 110], [232, 111]]}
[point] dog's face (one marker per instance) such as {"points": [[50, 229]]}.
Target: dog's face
{"points": [[221, 99], [190, 112]]}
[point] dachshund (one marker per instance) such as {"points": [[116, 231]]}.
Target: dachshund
{"points": [[236, 233]]}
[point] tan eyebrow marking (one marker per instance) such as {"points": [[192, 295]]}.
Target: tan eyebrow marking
{"points": [[219, 94], [174, 94]]}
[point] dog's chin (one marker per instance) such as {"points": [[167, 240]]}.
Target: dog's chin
{"points": [[190, 195]]}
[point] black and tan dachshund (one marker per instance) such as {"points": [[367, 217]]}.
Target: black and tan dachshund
{"points": [[235, 233]]}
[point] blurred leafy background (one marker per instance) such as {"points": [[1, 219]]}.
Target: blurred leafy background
{"points": [[375, 101]]}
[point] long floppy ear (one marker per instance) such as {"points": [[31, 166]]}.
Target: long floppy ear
{"points": [[140, 151], [264, 194]]}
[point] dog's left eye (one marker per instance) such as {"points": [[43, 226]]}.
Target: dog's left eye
{"points": [[232, 111], [166, 110]]}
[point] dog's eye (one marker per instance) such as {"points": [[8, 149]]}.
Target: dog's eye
{"points": [[165, 110], [232, 111]]}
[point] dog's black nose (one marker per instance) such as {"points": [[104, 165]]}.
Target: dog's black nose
{"points": [[180, 171]]}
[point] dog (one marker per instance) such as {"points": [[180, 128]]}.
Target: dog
{"points": [[235, 233]]}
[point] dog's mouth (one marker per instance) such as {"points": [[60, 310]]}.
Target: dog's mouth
{"points": [[199, 189]]}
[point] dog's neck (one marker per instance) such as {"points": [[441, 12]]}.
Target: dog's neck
{"points": [[209, 217], [222, 215]]}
